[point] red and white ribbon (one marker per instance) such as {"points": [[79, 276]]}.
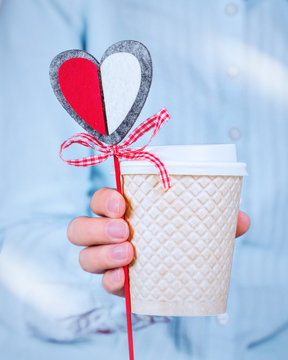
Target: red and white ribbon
{"points": [[121, 151]]}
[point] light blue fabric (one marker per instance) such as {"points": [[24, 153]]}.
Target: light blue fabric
{"points": [[221, 69]]}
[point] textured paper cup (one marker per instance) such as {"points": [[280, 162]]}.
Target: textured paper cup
{"points": [[184, 237]]}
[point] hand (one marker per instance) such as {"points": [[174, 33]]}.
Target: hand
{"points": [[243, 224], [110, 233]]}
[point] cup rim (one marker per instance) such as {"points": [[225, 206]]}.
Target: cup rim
{"points": [[214, 159], [224, 169]]}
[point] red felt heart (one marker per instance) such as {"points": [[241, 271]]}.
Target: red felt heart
{"points": [[79, 83]]}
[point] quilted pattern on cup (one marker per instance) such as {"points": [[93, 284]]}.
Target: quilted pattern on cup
{"points": [[184, 241]]}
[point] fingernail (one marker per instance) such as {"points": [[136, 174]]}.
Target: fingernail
{"points": [[116, 275], [113, 204], [117, 229], [119, 252]]}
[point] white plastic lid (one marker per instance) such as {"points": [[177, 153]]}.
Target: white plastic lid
{"points": [[190, 160]]}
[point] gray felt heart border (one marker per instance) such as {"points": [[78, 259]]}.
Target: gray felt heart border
{"points": [[129, 46]]}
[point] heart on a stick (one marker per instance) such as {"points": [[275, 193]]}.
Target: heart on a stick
{"points": [[104, 98]]}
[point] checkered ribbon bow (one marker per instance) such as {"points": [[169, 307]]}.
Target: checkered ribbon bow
{"points": [[121, 151]]}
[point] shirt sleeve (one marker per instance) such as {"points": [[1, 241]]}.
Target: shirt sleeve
{"points": [[45, 293]]}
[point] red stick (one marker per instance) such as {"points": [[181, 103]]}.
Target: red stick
{"points": [[126, 271]]}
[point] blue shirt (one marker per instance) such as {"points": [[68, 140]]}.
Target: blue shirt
{"points": [[221, 69]]}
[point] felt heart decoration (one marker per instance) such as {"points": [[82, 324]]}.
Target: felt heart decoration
{"points": [[104, 98]]}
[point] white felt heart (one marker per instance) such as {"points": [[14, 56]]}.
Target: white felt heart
{"points": [[121, 79]]}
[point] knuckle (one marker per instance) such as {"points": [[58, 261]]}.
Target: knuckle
{"points": [[89, 260], [93, 230]]}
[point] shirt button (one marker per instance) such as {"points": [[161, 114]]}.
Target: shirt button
{"points": [[231, 9], [233, 71], [235, 134], [223, 319]]}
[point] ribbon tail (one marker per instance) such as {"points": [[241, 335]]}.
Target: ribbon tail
{"points": [[146, 156]]}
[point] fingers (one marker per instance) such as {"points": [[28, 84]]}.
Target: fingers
{"points": [[243, 224], [85, 231], [97, 259], [108, 202], [109, 233], [113, 281]]}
